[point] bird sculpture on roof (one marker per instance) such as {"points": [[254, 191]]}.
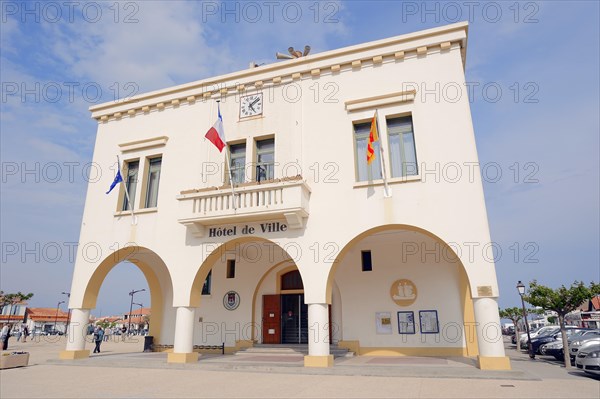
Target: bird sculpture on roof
{"points": [[297, 53], [294, 53]]}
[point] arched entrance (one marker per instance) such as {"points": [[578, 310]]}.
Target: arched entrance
{"points": [[284, 313], [84, 296], [405, 292], [254, 283]]}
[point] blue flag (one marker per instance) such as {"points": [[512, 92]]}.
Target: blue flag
{"points": [[118, 179]]}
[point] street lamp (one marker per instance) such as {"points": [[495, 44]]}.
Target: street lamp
{"points": [[56, 316], [131, 294], [521, 289], [68, 294], [141, 306]]}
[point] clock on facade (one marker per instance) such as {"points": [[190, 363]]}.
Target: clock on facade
{"points": [[251, 105]]}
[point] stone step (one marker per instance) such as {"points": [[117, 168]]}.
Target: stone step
{"points": [[289, 350]]}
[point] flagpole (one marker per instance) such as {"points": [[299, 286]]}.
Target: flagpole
{"points": [[228, 166], [133, 218], [387, 192], [230, 177]]}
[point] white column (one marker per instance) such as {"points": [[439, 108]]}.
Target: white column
{"points": [[489, 332], [80, 318], [183, 347], [489, 335], [318, 336], [184, 330]]}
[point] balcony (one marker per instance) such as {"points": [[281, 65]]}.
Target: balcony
{"points": [[273, 200]]}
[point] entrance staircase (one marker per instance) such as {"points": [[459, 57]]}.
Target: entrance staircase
{"points": [[289, 350]]}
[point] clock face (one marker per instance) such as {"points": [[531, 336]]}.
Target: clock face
{"points": [[251, 105]]}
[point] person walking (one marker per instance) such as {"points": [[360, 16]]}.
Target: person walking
{"points": [[4, 336], [98, 337], [25, 332]]}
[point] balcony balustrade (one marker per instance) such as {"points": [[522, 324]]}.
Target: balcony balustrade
{"points": [[279, 199]]}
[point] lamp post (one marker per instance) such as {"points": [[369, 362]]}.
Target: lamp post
{"points": [[56, 316], [68, 294], [521, 289], [131, 294], [141, 306]]}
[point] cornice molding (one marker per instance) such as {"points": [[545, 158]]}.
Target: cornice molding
{"points": [[255, 78]]}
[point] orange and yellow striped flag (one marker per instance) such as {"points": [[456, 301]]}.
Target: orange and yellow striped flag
{"points": [[373, 137]]}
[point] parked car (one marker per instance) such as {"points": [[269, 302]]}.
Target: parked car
{"points": [[534, 334], [576, 344], [556, 348], [588, 357], [537, 342]]}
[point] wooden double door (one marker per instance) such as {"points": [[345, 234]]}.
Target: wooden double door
{"points": [[284, 319]]}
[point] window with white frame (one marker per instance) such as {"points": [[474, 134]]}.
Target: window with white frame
{"points": [[237, 159], [131, 181], [364, 171], [153, 181], [265, 159], [403, 155]]}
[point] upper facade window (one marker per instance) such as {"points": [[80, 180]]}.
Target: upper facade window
{"points": [[401, 159], [154, 167], [265, 159], [132, 170], [237, 154], [403, 155], [364, 171]]}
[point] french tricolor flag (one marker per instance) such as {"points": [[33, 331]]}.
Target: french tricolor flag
{"points": [[216, 134]]}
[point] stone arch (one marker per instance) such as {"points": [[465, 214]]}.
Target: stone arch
{"points": [[216, 254], [155, 272], [464, 288]]}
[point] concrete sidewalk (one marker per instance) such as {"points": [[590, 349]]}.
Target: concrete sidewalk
{"points": [[122, 370]]}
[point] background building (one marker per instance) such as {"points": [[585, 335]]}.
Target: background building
{"points": [[47, 320]]}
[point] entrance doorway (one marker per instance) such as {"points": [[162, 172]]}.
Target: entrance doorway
{"points": [[294, 319]]}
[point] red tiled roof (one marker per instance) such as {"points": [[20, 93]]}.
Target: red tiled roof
{"points": [[595, 302], [46, 314]]}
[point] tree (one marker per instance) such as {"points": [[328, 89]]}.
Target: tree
{"points": [[103, 324], [562, 300], [13, 299], [515, 315]]}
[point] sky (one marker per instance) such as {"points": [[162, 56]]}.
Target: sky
{"points": [[532, 69]]}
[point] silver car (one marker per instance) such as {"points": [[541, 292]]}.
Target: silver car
{"points": [[577, 343], [588, 357]]}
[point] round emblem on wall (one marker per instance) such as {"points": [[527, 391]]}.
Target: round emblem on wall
{"points": [[231, 300], [403, 292]]}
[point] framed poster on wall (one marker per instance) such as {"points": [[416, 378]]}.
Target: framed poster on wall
{"points": [[428, 320], [383, 322], [406, 322]]}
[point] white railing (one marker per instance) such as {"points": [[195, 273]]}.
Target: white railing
{"points": [[244, 199], [274, 200]]}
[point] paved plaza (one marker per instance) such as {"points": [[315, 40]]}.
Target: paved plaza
{"points": [[123, 370]]}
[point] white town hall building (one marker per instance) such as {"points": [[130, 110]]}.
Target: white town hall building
{"points": [[313, 245]]}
